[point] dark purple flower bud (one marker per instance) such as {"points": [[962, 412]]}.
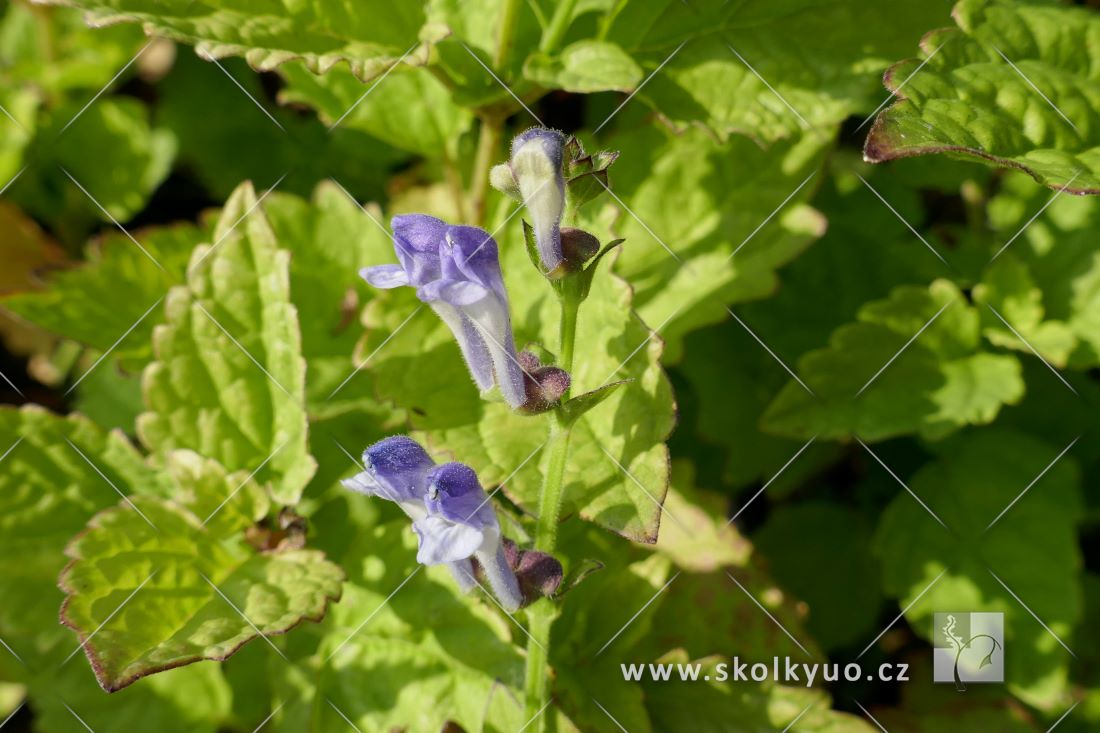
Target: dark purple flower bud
{"points": [[456, 271]]}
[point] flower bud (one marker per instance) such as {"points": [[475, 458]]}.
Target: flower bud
{"points": [[536, 166]]}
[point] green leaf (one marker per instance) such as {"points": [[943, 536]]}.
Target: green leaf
{"points": [[718, 705], [1015, 84], [193, 699], [840, 586], [577, 406], [1032, 548], [704, 201], [229, 378], [321, 34], [692, 51], [330, 238], [242, 143], [412, 661], [938, 383], [47, 493], [410, 110], [618, 467], [585, 66], [1046, 283], [21, 104], [82, 303], [132, 158], [184, 591]]}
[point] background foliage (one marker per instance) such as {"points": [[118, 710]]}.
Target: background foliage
{"points": [[860, 394]]}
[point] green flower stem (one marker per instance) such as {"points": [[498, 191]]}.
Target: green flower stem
{"points": [[559, 24], [541, 614], [506, 33], [487, 144]]}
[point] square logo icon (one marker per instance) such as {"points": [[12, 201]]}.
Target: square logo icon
{"points": [[968, 647]]}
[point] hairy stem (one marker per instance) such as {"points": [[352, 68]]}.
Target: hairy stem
{"points": [[541, 614]]}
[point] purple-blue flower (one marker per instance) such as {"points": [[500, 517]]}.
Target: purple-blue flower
{"points": [[461, 523], [451, 514], [456, 270], [536, 166]]}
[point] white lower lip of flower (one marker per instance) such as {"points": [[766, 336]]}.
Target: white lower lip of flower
{"points": [[540, 185], [492, 321]]}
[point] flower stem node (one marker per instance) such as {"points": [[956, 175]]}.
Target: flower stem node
{"points": [[545, 385]]}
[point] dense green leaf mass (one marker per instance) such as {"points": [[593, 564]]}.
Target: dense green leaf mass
{"points": [[912, 363], [1015, 84], [1006, 544]]}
